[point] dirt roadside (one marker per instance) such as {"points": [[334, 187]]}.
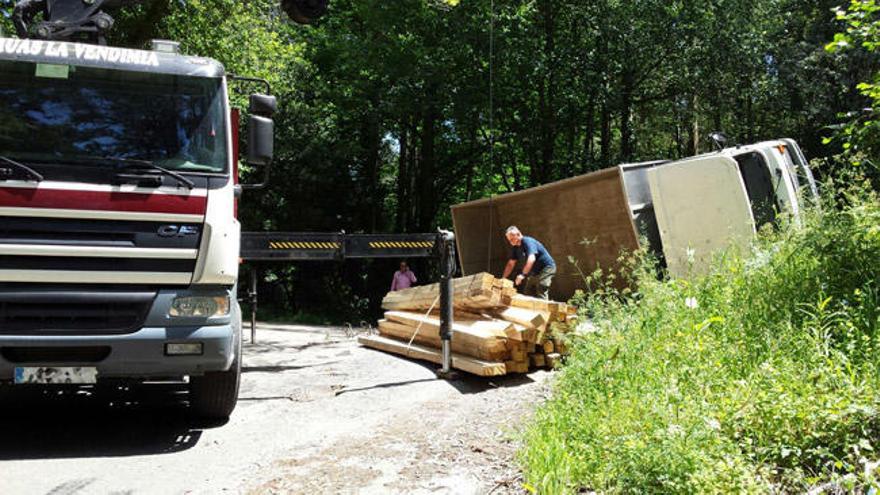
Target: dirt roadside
{"points": [[317, 414]]}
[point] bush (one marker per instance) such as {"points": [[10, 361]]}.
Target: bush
{"points": [[760, 376]]}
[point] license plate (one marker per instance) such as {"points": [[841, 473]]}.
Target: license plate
{"points": [[78, 375]]}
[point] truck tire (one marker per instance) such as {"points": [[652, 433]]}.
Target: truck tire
{"points": [[213, 396]]}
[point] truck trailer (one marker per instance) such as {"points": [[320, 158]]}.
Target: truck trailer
{"points": [[682, 211]]}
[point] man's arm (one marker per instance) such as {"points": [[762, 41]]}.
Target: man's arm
{"points": [[394, 283], [508, 269], [412, 276], [530, 261]]}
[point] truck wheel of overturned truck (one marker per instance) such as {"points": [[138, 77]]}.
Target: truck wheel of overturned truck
{"points": [[214, 395]]}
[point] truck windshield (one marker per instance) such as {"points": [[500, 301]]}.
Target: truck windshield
{"points": [[82, 116]]}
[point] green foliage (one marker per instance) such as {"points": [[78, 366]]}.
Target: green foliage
{"points": [[5, 13], [861, 134], [391, 111], [248, 38], [761, 376]]}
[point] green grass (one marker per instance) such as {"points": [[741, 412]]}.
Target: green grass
{"points": [[770, 384]]}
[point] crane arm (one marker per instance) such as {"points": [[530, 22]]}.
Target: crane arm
{"points": [[70, 19], [66, 19]]}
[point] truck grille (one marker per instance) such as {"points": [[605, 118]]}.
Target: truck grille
{"points": [[25, 355], [73, 312], [59, 250], [110, 233]]}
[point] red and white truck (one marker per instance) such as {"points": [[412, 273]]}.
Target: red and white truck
{"points": [[119, 243]]}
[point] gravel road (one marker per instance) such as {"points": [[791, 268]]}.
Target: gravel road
{"points": [[316, 414]]}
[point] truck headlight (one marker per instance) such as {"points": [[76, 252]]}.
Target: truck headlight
{"points": [[199, 306]]}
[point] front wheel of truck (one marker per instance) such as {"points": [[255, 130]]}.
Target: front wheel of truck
{"points": [[213, 396]]}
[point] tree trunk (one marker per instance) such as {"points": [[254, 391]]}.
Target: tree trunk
{"points": [[548, 95], [605, 135], [475, 161], [538, 167], [694, 127], [750, 118], [590, 129], [401, 219], [571, 155], [413, 170], [370, 139], [679, 133], [626, 145], [427, 168], [605, 112]]}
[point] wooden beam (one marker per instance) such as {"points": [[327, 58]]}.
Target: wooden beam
{"points": [[527, 302], [525, 317], [537, 360], [459, 362], [476, 291], [428, 338], [480, 346]]}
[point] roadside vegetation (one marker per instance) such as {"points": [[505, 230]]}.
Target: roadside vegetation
{"points": [[759, 376]]}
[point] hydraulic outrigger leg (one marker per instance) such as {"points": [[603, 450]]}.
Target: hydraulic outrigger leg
{"points": [[252, 295], [447, 272]]}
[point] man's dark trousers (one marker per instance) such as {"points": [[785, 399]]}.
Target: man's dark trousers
{"points": [[538, 284]]}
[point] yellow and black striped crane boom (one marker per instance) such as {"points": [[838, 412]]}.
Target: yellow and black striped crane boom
{"points": [[311, 246], [306, 246]]}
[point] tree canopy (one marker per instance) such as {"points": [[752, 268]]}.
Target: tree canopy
{"points": [[392, 111]]}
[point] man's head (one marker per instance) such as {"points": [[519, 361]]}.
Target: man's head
{"points": [[404, 266], [514, 236]]}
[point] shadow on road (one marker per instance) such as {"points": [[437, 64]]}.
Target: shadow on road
{"points": [[383, 385], [470, 384], [464, 383], [66, 423], [282, 367], [276, 347]]}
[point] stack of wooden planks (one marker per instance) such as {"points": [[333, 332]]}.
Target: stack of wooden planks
{"points": [[495, 332]]}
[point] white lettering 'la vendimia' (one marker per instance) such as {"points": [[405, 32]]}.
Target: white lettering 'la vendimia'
{"points": [[90, 53]]}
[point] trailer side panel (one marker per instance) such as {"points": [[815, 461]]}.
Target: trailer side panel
{"points": [[586, 218]]}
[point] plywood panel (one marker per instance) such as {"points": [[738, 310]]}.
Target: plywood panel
{"points": [[562, 215]]}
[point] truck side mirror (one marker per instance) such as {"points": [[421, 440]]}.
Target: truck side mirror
{"points": [[261, 135], [263, 105], [261, 140]]}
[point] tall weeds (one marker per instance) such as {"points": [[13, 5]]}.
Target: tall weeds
{"points": [[760, 376]]}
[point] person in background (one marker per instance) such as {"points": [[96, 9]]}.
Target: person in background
{"points": [[538, 266], [403, 278]]}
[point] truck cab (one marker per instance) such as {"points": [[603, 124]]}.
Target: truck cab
{"points": [[118, 235], [719, 200]]}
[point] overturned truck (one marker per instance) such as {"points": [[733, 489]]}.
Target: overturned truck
{"points": [[682, 211]]}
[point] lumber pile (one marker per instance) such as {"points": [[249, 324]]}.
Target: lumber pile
{"points": [[495, 331]]}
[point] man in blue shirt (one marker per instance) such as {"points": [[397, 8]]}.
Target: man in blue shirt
{"points": [[538, 266]]}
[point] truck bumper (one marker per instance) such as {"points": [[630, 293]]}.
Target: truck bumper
{"points": [[137, 355]]}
